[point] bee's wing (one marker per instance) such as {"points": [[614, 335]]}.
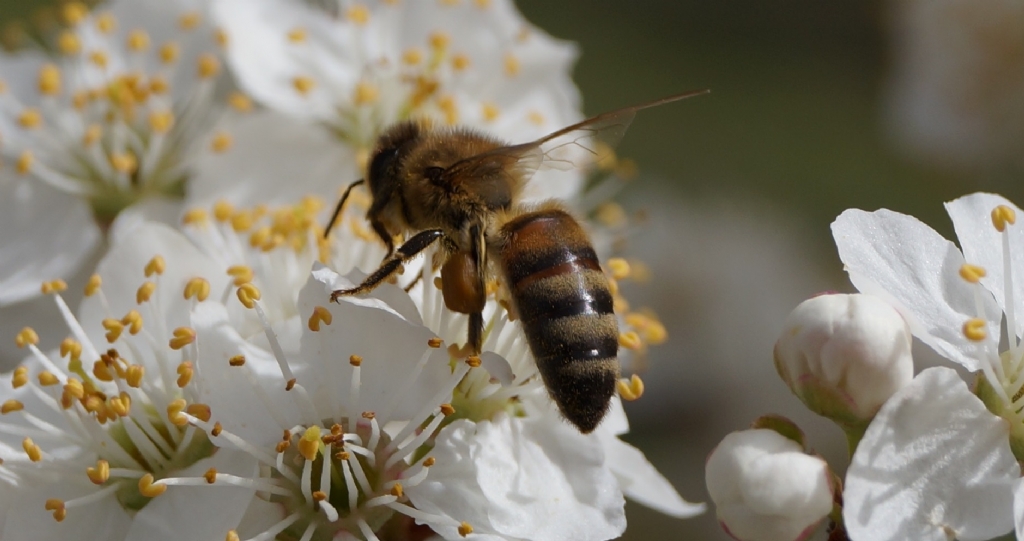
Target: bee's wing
{"points": [[575, 146]]}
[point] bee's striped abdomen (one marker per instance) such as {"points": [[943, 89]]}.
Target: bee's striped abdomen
{"points": [[565, 306]]}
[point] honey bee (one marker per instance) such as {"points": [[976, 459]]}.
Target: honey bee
{"points": [[460, 188]]}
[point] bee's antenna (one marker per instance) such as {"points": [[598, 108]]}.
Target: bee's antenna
{"points": [[341, 205]]}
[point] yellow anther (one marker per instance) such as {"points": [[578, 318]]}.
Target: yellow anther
{"points": [[144, 292], [30, 118], [460, 62], [20, 377], [11, 405], [102, 371], [975, 329], [183, 336], [365, 93], [369, 415], [53, 286], [73, 12], [429, 461], [473, 361], [74, 388], [439, 41], [47, 379], [200, 411], [208, 65], [512, 66], [248, 294], [412, 56], [133, 376], [184, 374], [169, 52], [319, 496], [106, 23], [150, 489], [232, 536], [174, 410], [114, 329], [435, 342], [26, 337], [216, 430], [237, 360], [210, 475], [49, 80], [195, 216], [465, 529], [71, 348], [297, 35], [99, 58], [282, 446], [240, 102], [161, 121], [189, 20], [447, 409], [355, 360], [655, 333], [619, 268], [630, 340], [309, 443], [197, 288], [138, 40], [242, 221], [536, 118], [490, 112], [24, 164], [133, 320], [222, 210], [1001, 216], [35, 454], [93, 285], [397, 490], [68, 43], [100, 473], [241, 273], [157, 265], [121, 405], [221, 37], [358, 15], [221, 142], [320, 315], [57, 506], [451, 112], [630, 389], [303, 84], [92, 134]]}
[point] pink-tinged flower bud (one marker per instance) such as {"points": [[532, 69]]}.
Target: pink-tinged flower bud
{"points": [[844, 356], [766, 488]]}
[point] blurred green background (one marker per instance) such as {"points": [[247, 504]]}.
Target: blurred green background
{"points": [[739, 188]]}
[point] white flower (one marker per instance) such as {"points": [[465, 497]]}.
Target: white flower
{"points": [[934, 465], [766, 488], [844, 356], [90, 434], [345, 77], [116, 121]]}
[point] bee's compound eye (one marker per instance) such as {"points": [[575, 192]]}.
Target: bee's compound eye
{"points": [[382, 163], [433, 174]]}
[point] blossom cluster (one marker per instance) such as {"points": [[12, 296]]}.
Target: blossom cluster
{"points": [[206, 387]]}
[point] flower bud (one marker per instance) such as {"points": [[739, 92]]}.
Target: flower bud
{"points": [[844, 356], [766, 488]]}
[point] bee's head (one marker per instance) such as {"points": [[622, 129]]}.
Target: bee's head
{"points": [[382, 171]]}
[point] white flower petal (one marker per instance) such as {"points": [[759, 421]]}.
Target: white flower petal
{"points": [[28, 520], [933, 465], [642, 483], [522, 478], [1018, 508], [898, 258], [47, 235]]}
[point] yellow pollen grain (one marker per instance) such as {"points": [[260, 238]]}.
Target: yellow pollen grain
{"points": [[473, 361], [150, 489], [240, 102], [99, 58], [1002, 215], [35, 454], [222, 210], [303, 84], [369, 415], [630, 340], [174, 410], [53, 286], [57, 506], [221, 142], [365, 93], [169, 52], [342, 455], [217, 428], [282, 446], [397, 490], [30, 118], [320, 315], [232, 536], [144, 292], [297, 35], [183, 336], [207, 65], [512, 65], [358, 15], [435, 342], [242, 221], [536, 118], [355, 360], [24, 164], [93, 285], [248, 294], [430, 461], [189, 20], [70, 348], [197, 288], [49, 80], [412, 56], [460, 62], [200, 411], [210, 475], [161, 121], [309, 443], [630, 389], [26, 337], [138, 40], [106, 23], [195, 216], [100, 473], [133, 320], [439, 41], [73, 12], [619, 268], [447, 409], [184, 372], [237, 360], [241, 273], [68, 43], [11, 405], [47, 379], [133, 376], [19, 377], [319, 496], [975, 329], [465, 529], [157, 265]]}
